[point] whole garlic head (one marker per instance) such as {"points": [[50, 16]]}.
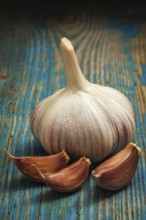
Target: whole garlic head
{"points": [[84, 119]]}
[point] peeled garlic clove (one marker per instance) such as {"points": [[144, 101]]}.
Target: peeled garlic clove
{"points": [[85, 119], [70, 178], [46, 164], [117, 172]]}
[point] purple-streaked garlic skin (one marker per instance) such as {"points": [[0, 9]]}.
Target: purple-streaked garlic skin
{"points": [[84, 119], [68, 179], [46, 164], [116, 172]]}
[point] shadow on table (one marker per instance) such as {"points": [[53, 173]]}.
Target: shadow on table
{"points": [[51, 196], [33, 148], [102, 194], [23, 183]]}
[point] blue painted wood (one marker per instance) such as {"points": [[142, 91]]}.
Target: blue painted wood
{"points": [[111, 50]]}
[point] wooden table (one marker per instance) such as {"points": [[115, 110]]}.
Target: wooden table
{"points": [[111, 49]]}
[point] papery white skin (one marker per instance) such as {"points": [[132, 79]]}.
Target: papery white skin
{"points": [[84, 119]]}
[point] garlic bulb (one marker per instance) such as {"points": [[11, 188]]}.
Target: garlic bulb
{"points": [[84, 119]]}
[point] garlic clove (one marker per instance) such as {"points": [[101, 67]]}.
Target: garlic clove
{"points": [[85, 119], [117, 171], [46, 164], [70, 178]]}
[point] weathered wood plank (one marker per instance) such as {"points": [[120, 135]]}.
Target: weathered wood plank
{"points": [[111, 50]]}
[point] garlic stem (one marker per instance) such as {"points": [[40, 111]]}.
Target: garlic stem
{"points": [[75, 78]]}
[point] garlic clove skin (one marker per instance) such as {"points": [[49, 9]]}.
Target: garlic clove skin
{"points": [[70, 178], [117, 172], [85, 119], [46, 164]]}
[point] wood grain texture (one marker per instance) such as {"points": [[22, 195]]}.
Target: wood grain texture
{"points": [[111, 50]]}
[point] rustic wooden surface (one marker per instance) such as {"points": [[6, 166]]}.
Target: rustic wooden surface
{"points": [[111, 49]]}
